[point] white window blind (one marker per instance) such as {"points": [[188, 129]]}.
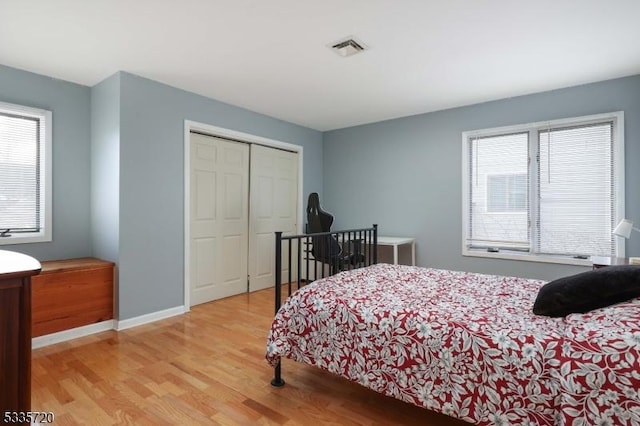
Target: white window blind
{"points": [[23, 137], [499, 208], [546, 189], [576, 201]]}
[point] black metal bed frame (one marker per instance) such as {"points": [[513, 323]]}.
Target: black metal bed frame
{"points": [[359, 249]]}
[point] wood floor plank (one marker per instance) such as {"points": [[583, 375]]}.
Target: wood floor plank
{"points": [[205, 367]]}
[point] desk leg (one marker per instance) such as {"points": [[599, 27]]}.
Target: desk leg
{"points": [[413, 253]]}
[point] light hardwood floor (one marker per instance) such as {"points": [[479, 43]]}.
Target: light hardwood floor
{"points": [[204, 367]]}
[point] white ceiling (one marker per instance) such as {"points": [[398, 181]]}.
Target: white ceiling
{"points": [[272, 56]]}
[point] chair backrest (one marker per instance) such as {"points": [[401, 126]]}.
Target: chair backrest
{"points": [[325, 248]]}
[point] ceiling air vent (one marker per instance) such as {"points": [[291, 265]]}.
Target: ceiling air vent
{"points": [[348, 47]]}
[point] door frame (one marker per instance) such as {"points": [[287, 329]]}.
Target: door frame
{"points": [[236, 136]]}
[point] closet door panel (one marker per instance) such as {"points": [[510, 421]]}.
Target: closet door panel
{"points": [[219, 218], [273, 207], [203, 254]]}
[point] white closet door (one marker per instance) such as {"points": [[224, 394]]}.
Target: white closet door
{"points": [[274, 200], [219, 218]]}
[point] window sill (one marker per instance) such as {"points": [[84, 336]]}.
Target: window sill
{"points": [[528, 257], [25, 238]]}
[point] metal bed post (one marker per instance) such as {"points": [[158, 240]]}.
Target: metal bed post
{"points": [[334, 255], [298, 264], [277, 378], [306, 258], [289, 280], [351, 245], [375, 243]]}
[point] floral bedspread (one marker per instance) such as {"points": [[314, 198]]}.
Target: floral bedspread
{"points": [[467, 345]]}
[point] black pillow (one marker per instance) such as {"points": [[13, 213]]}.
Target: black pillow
{"points": [[587, 291]]}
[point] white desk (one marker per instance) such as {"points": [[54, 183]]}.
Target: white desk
{"points": [[395, 242]]}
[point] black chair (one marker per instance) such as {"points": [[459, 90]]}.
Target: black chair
{"points": [[326, 248]]}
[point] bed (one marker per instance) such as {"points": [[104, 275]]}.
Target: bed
{"points": [[465, 344]]}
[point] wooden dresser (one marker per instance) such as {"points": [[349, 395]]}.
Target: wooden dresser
{"points": [[72, 293], [16, 270]]}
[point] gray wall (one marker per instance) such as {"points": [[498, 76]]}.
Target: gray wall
{"points": [[105, 169], [152, 115], [405, 174], [71, 105]]}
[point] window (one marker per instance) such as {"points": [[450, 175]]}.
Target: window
{"points": [[507, 193], [549, 191], [25, 174]]}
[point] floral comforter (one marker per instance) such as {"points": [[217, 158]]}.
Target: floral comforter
{"points": [[467, 345]]}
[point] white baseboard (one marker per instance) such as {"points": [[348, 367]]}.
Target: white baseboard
{"points": [[86, 330], [74, 333], [147, 318]]}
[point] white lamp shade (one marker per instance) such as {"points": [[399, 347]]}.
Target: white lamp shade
{"points": [[624, 228]]}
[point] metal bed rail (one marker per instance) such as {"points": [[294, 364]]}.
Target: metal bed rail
{"points": [[320, 254]]}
